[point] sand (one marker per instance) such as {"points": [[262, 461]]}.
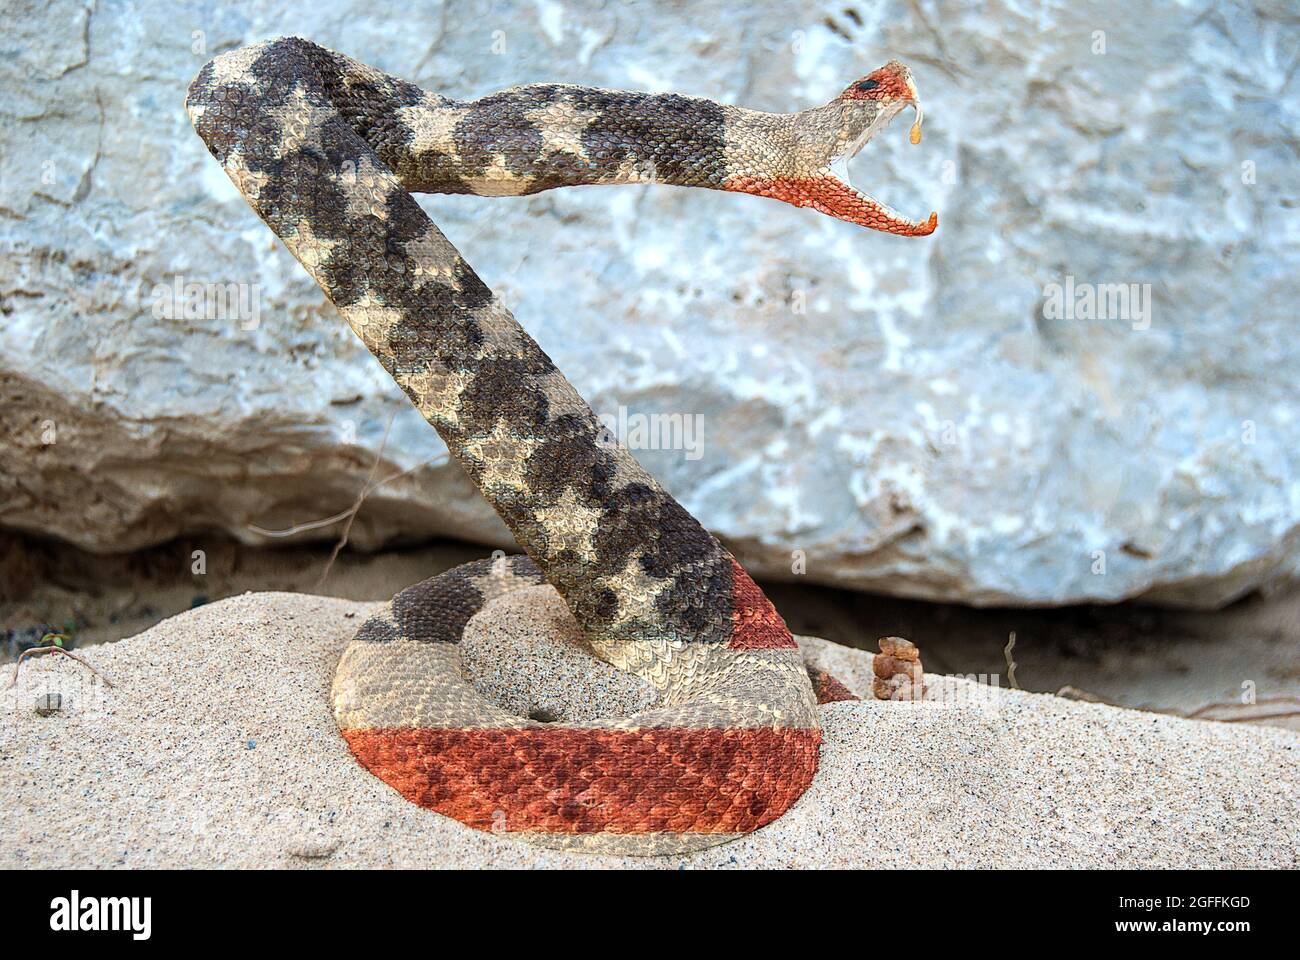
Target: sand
{"points": [[216, 747], [1173, 661]]}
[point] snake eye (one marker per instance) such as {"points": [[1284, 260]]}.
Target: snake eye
{"points": [[868, 84]]}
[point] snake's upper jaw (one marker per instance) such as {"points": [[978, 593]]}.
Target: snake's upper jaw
{"points": [[854, 205]]}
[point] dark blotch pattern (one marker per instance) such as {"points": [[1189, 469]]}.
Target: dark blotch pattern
{"points": [[436, 610], [320, 143]]}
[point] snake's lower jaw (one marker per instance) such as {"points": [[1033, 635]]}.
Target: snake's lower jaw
{"points": [[843, 201], [829, 194]]}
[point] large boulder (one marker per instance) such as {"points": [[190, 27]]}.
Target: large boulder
{"points": [[1082, 387]]}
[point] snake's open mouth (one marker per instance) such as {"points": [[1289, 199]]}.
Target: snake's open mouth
{"points": [[828, 188], [864, 208]]}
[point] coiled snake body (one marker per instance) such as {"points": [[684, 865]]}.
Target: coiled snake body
{"points": [[327, 151]]}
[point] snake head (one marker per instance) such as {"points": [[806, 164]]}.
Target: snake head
{"points": [[864, 109], [814, 154], [892, 83]]}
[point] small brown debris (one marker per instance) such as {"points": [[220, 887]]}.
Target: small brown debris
{"points": [[898, 670], [886, 666], [899, 649]]}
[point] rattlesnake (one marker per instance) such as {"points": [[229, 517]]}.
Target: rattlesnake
{"points": [[327, 151]]}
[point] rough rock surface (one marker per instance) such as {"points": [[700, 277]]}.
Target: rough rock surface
{"points": [[911, 415]]}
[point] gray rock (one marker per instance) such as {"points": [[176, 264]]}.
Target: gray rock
{"points": [[913, 416]]}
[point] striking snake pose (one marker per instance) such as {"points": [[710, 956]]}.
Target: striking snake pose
{"points": [[327, 151]]}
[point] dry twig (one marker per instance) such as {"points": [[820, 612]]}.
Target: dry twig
{"points": [[1011, 664], [55, 648]]}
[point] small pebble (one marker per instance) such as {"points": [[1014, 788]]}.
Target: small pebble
{"points": [[899, 649], [886, 666]]}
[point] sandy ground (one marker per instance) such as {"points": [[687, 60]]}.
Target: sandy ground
{"points": [[1243, 660], [216, 747]]}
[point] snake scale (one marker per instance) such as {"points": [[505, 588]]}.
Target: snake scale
{"points": [[328, 151]]}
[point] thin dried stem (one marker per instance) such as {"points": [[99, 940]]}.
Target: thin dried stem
{"points": [[1233, 704], [342, 514], [55, 649], [1281, 715], [1011, 664], [300, 527], [356, 506]]}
